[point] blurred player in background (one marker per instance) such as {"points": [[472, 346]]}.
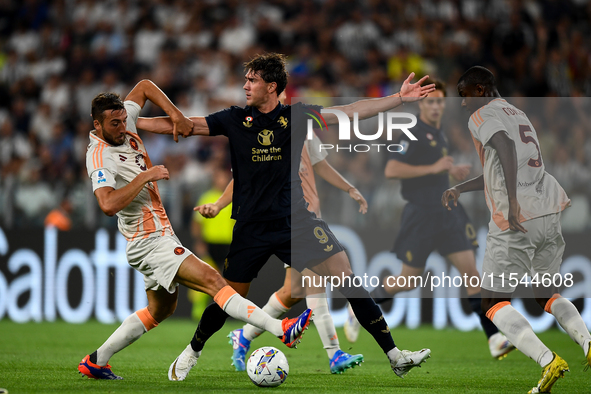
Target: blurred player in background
{"points": [[212, 237], [124, 183], [525, 236], [268, 200], [423, 167]]}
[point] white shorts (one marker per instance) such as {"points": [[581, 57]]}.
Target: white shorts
{"points": [[539, 251], [158, 259]]}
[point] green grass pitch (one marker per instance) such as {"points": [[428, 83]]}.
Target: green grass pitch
{"points": [[43, 358]]}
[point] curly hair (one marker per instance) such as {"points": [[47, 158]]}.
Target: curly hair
{"points": [[271, 68]]}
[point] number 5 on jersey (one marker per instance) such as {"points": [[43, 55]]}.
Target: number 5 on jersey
{"points": [[526, 139]]}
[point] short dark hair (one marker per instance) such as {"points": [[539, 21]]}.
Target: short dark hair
{"points": [[439, 85], [478, 75], [104, 102], [271, 68]]}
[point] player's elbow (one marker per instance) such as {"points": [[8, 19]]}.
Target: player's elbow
{"points": [[391, 173], [108, 209], [145, 82], [109, 212]]}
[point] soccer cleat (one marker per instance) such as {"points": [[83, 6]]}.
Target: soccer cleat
{"points": [[342, 361], [406, 360], [293, 329], [499, 346], [352, 326], [181, 367], [550, 375], [240, 346], [93, 371]]}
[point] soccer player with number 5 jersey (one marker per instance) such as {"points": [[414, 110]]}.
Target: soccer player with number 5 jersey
{"points": [[524, 235]]}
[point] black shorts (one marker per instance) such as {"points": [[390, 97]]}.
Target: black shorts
{"points": [[218, 253], [424, 229], [301, 244]]}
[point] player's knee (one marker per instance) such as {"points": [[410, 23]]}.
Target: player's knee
{"points": [[410, 284]]}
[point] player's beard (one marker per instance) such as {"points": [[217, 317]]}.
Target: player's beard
{"points": [[112, 141]]}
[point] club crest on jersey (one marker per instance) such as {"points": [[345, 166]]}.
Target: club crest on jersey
{"points": [[139, 160], [248, 122], [430, 136], [133, 144], [178, 250], [283, 121], [433, 143], [265, 137]]}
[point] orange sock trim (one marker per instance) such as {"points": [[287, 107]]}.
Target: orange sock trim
{"points": [[496, 307], [548, 307], [147, 320], [224, 295], [279, 300]]}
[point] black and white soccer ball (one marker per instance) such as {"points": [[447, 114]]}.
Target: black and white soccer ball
{"points": [[267, 367]]}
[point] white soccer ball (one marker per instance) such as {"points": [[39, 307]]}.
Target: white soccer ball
{"points": [[267, 367]]}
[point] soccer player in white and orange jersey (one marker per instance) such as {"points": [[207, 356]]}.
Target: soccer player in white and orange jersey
{"points": [[124, 183], [525, 236]]}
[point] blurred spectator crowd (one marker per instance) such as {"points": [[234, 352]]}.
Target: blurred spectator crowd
{"points": [[55, 56]]}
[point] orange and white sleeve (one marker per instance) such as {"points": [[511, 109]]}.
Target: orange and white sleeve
{"points": [[101, 167]]}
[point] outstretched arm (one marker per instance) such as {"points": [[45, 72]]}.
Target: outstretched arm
{"points": [[165, 125], [332, 176], [371, 107], [147, 90]]}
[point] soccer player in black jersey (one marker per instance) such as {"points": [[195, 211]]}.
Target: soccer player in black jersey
{"points": [[423, 167], [268, 203]]}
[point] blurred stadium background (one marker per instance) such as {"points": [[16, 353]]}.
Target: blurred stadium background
{"points": [[55, 56]]}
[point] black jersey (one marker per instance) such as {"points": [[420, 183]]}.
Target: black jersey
{"points": [[265, 159], [430, 146]]}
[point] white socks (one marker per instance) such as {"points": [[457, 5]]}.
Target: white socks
{"points": [[392, 354], [240, 308], [128, 332], [570, 320], [518, 330], [273, 308], [323, 322]]}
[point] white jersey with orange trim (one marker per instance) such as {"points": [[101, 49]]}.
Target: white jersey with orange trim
{"points": [[538, 192], [116, 166], [311, 155]]}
